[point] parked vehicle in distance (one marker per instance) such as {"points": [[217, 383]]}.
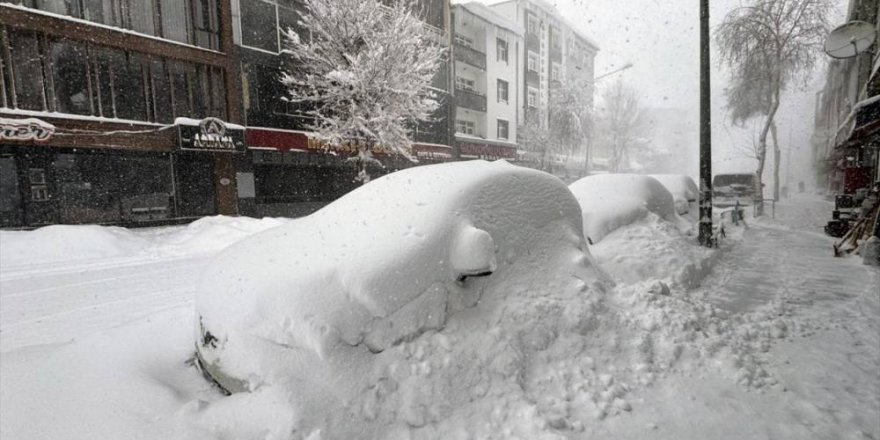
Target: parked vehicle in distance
{"points": [[728, 189]]}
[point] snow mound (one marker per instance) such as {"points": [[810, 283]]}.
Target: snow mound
{"points": [[684, 190], [332, 309], [211, 234], [61, 243], [609, 201]]}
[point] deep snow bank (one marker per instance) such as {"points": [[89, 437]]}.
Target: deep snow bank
{"points": [[71, 244], [302, 310], [684, 190], [609, 201]]}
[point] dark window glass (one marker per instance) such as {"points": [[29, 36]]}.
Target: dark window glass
{"points": [[503, 127], [217, 88], [181, 75], [70, 72], [63, 7], [258, 25], [142, 16], [176, 20], [108, 63], [130, 91], [206, 21], [161, 92], [289, 18], [501, 46], [27, 71]]}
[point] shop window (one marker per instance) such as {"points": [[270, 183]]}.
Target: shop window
{"points": [[465, 127], [37, 180], [130, 98], [70, 73], [259, 25], [27, 71], [161, 92]]}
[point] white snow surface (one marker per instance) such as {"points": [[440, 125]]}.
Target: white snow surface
{"points": [[609, 201], [780, 340], [684, 190]]}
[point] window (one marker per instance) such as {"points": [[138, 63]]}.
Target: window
{"points": [[532, 97], [501, 49], [533, 26], [70, 73], [258, 25], [465, 127], [289, 18], [533, 61], [464, 41], [27, 71], [175, 20], [554, 71], [142, 16], [465, 84], [503, 127], [502, 90], [555, 41]]}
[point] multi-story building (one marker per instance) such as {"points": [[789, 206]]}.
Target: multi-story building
{"points": [[488, 76], [553, 48], [134, 111], [100, 104], [283, 172], [846, 136]]}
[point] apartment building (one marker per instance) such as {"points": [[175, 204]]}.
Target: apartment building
{"points": [[553, 48], [846, 136], [117, 111], [488, 77]]}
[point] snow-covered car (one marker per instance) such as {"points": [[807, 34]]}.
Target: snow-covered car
{"points": [[684, 190], [299, 303], [609, 201], [730, 189]]}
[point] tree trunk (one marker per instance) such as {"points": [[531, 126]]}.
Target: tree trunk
{"points": [[776, 157], [762, 147]]}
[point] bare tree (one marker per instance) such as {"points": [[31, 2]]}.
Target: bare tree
{"points": [[768, 45], [571, 112], [536, 140], [350, 74], [622, 124]]}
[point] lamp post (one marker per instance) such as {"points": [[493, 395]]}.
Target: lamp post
{"points": [[705, 131]]}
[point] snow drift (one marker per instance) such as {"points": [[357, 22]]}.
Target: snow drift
{"points": [[303, 309], [684, 190], [609, 201]]}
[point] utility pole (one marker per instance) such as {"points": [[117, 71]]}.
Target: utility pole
{"points": [[705, 131]]}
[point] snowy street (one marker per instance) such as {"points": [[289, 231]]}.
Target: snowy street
{"points": [[780, 340]]}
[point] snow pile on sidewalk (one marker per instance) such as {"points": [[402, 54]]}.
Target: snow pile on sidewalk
{"points": [[82, 243], [609, 201]]}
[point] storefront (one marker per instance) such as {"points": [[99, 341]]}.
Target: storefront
{"points": [[289, 173], [68, 172]]}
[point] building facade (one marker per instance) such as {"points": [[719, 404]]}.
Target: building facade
{"points": [[100, 107], [488, 77], [553, 48], [145, 111], [846, 135]]}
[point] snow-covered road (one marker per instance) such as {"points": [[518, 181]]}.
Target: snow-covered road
{"points": [[780, 341]]}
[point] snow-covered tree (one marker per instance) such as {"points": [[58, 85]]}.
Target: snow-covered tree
{"points": [[622, 124], [363, 76], [768, 44], [535, 139], [571, 112]]}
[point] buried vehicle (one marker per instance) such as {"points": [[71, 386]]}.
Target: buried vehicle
{"points": [[306, 306], [732, 189]]}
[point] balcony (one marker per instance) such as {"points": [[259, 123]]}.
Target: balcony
{"points": [[470, 56], [470, 99]]}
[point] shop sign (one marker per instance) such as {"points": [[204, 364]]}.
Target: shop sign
{"points": [[211, 134], [351, 147], [25, 130], [486, 151]]}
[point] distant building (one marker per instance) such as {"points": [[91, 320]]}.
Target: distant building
{"points": [[553, 47], [488, 77], [846, 136]]}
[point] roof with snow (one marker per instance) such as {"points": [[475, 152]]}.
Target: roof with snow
{"points": [[551, 9]]}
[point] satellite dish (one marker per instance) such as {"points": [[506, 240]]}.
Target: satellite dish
{"points": [[850, 39]]}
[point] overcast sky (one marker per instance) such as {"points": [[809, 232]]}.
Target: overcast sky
{"points": [[661, 39]]}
